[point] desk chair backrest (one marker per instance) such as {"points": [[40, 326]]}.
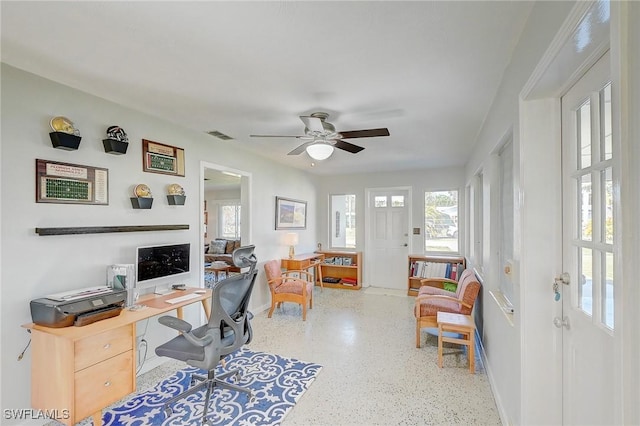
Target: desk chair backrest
{"points": [[230, 300]]}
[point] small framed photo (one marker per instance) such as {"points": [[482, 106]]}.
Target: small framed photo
{"points": [[291, 214], [161, 158]]}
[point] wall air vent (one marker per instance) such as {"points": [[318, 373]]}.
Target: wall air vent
{"points": [[219, 135]]}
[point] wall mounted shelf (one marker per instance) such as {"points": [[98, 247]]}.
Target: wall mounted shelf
{"points": [[176, 200], [66, 141], [108, 229], [113, 146], [141, 202]]}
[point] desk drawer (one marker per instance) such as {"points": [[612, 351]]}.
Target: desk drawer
{"points": [[99, 347], [103, 384]]}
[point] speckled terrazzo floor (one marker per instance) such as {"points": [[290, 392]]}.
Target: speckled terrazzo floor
{"points": [[372, 372]]}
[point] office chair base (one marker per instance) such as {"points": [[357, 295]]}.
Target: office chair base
{"points": [[209, 383]]}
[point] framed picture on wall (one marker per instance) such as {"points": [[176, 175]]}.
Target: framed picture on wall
{"points": [[67, 183], [161, 158], [291, 214]]}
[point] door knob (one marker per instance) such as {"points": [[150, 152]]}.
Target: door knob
{"points": [[564, 278], [562, 322]]}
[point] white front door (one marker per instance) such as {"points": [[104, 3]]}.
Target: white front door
{"points": [[388, 212], [587, 287]]}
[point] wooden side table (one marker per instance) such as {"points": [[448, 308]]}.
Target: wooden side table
{"points": [[461, 324]]}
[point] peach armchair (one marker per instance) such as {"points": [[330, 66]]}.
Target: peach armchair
{"points": [[289, 286], [431, 299]]}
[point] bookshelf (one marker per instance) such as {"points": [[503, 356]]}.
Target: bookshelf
{"points": [[423, 266], [343, 265]]}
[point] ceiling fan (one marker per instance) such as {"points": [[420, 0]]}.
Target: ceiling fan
{"points": [[321, 137]]}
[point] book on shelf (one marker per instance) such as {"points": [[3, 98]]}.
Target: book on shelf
{"points": [[426, 269]]}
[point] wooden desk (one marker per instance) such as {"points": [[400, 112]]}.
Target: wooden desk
{"points": [[304, 262], [78, 371]]}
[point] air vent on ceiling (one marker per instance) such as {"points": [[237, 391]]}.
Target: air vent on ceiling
{"points": [[219, 135]]}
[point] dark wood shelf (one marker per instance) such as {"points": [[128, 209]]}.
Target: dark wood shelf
{"points": [[108, 229]]}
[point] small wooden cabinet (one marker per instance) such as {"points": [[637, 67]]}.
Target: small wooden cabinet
{"points": [[343, 265], [77, 373], [423, 266]]}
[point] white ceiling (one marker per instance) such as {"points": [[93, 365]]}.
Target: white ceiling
{"points": [[428, 71]]}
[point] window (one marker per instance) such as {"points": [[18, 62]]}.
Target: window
{"points": [[343, 221], [505, 214], [593, 179], [230, 220], [441, 221], [476, 205]]}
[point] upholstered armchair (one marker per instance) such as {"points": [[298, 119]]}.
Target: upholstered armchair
{"points": [[432, 298], [289, 286]]}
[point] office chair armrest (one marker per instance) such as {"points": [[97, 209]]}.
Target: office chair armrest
{"points": [[185, 328], [175, 323]]}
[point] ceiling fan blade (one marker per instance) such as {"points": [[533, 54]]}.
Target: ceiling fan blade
{"points": [[314, 124], [301, 148], [369, 133], [354, 149], [276, 136]]}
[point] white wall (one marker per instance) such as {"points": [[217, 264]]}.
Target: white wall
{"points": [[523, 359], [419, 181], [214, 197], [505, 343], [33, 266], [626, 64]]}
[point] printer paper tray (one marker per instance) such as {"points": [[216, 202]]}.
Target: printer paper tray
{"points": [[97, 315]]}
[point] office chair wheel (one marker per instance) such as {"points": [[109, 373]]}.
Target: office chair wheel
{"points": [[237, 377], [168, 412], [251, 397]]}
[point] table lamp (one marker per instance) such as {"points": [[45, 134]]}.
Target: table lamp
{"points": [[291, 239]]}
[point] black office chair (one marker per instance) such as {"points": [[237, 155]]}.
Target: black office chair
{"points": [[227, 330]]}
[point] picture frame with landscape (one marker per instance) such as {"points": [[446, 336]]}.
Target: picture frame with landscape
{"points": [[290, 213]]}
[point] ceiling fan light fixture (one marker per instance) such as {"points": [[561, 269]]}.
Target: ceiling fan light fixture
{"points": [[320, 151]]}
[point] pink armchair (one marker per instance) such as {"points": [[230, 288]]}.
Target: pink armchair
{"points": [[432, 299], [285, 287]]}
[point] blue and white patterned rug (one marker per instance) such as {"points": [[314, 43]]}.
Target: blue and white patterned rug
{"points": [[277, 384]]}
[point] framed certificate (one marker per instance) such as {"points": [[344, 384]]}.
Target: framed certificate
{"points": [[71, 183], [161, 158]]}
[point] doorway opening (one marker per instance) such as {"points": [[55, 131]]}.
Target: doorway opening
{"points": [[225, 200]]}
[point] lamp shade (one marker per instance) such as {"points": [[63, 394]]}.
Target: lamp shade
{"points": [[291, 239], [320, 151]]}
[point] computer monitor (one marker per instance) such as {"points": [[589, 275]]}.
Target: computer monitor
{"points": [[160, 261]]}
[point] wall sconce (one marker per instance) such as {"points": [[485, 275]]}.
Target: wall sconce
{"points": [[291, 239]]}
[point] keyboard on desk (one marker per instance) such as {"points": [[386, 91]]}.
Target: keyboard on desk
{"points": [[179, 299]]}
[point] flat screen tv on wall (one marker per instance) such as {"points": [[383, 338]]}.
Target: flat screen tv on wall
{"points": [[161, 261]]}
